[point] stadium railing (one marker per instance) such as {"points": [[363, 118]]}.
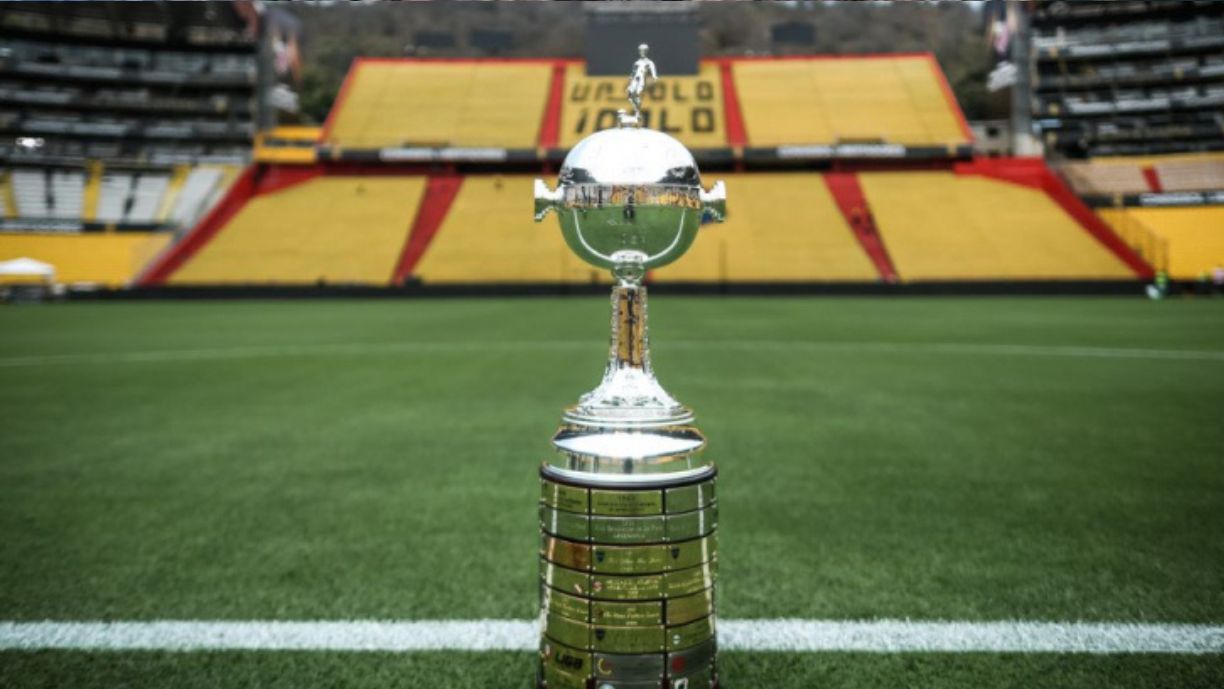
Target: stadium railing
{"points": [[1186, 242]]}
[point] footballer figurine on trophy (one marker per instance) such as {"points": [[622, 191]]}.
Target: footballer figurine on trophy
{"points": [[643, 75], [628, 513]]}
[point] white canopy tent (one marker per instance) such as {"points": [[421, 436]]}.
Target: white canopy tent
{"points": [[25, 269]]}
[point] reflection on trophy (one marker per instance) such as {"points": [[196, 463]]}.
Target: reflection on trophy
{"points": [[628, 511]]}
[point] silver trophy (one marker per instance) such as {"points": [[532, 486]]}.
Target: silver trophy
{"points": [[628, 511]]}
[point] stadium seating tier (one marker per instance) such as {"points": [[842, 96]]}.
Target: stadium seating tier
{"points": [[334, 229], [1192, 237], [943, 226], [888, 99], [1130, 174], [488, 237], [122, 197], [388, 104], [783, 227], [898, 99], [107, 259]]}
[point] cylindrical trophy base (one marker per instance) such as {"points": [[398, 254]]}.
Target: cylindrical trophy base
{"points": [[627, 584]]}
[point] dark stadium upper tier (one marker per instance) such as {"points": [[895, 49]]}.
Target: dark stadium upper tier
{"points": [[133, 83], [132, 65], [1128, 77], [194, 25]]}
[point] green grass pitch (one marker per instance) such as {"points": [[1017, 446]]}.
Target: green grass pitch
{"points": [[971, 459]]}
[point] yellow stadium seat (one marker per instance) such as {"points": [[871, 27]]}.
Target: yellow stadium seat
{"points": [[942, 226], [1193, 237], [823, 101], [336, 230], [110, 259], [489, 237], [420, 103], [781, 227]]}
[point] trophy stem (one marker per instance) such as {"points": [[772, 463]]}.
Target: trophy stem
{"points": [[630, 347], [628, 395]]}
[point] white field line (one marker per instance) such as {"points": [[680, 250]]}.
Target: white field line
{"points": [[880, 636], [476, 347]]}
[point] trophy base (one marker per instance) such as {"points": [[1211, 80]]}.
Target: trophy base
{"points": [[713, 685], [627, 582]]}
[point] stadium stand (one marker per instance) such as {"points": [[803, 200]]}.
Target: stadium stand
{"points": [[945, 226], [117, 121], [1186, 242], [113, 196], [96, 196], [131, 198], [66, 192], [785, 227], [324, 230], [1190, 175], [486, 239], [147, 191], [413, 103], [1128, 78], [419, 173], [197, 194], [381, 166], [108, 260], [8, 206], [1166, 208], [30, 193], [48, 193], [1146, 174], [899, 99], [1088, 178], [483, 239], [532, 110], [1141, 238], [153, 82]]}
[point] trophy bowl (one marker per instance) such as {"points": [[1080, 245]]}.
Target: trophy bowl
{"points": [[630, 199]]}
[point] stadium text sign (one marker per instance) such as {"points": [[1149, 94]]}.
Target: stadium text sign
{"points": [[689, 108]]}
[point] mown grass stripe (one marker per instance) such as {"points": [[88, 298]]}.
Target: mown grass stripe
{"points": [[881, 636], [800, 346]]}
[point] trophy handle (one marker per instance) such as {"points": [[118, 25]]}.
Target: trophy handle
{"points": [[713, 201], [545, 199]]}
